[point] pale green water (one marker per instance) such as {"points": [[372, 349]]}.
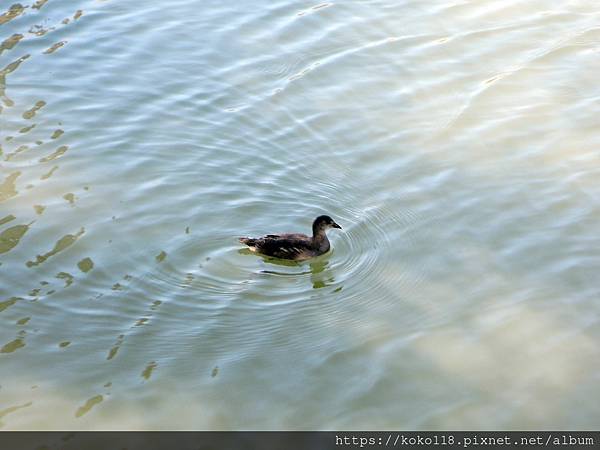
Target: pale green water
{"points": [[456, 142]]}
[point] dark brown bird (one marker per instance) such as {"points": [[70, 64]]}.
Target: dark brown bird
{"points": [[294, 246]]}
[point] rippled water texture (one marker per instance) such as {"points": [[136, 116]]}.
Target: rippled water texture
{"points": [[456, 142]]}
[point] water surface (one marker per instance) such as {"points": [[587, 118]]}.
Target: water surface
{"points": [[456, 142]]}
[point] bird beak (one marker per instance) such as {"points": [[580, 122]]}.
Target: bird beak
{"points": [[335, 225]]}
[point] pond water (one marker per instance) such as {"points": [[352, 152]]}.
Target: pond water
{"points": [[456, 143]]}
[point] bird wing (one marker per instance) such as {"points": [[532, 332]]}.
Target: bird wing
{"points": [[298, 236], [288, 246]]}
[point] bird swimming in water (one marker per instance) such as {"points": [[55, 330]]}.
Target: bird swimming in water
{"points": [[294, 246]]}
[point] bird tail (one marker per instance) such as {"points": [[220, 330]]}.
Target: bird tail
{"points": [[248, 241]]}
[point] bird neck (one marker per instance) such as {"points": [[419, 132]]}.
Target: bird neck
{"points": [[320, 240]]}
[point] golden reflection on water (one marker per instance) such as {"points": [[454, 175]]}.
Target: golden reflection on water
{"points": [[67, 277], [19, 152], [54, 47], [147, 372], [38, 4], [10, 68], [63, 243], [89, 404], [40, 30], [10, 237], [85, 265], [10, 42], [27, 129], [60, 151], [8, 303], [70, 197], [56, 134], [12, 346], [30, 113], [49, 174], [20, 149], [12, 409], [115, 349], [8, 187], [7, 219], [14, 11]]}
